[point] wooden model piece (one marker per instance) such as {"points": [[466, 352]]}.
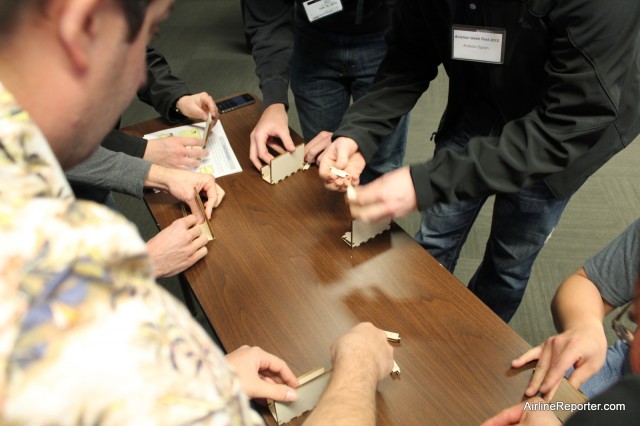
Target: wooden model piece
{"points": [[392, 337], [207, 129], [206, 225], [284, 165], [362, 232], [312, 385], [339, 172]]}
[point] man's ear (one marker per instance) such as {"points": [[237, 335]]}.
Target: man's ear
{"points": [[77, 29]]}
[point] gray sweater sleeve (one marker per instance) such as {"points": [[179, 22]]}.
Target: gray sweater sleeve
{"points": [[114, 171], [269, 25]]}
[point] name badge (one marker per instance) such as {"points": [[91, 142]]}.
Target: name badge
{"points": [[478, 44], [317, 9]]}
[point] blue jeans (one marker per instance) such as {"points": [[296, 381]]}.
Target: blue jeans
{"points": [[522, 223], [610, 373], [328, 69]]}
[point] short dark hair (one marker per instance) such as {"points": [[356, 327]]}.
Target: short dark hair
{"points": [[10, 10]]}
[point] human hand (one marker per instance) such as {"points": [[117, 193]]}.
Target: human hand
{"points": [[177, 247], [175, 152], [518, 415], [263, 375], [274, 123], [342, 154], [585, 348], [181, 184], [198, 106], [391, 195], [314, 149], [367, 347]]}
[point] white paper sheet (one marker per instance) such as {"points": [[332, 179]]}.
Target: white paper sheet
{"points": [[221, 161]]}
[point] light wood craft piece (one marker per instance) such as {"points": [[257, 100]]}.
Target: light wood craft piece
{"points": [[392, 337], [312, 386], [207, 129], [284, 165], [568, 395], [206, 225], [362, 232], [339, 172]]}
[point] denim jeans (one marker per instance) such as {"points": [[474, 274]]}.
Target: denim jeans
{"points": [[328, 70], [610, 373], [522, 223]]}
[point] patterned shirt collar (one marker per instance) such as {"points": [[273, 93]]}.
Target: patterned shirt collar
{"points": [[28, 167]]}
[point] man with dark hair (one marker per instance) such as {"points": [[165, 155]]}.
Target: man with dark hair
{"points": [[86, 335]]}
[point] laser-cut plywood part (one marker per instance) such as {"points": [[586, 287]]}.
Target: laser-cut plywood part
{"points": [[362, 232], [339, 172], [312, 386], [392, 337], [207, 129], [284, 165], [206, 225]]}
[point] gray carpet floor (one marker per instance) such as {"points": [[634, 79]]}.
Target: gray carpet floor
{"points": [[204, 43]]}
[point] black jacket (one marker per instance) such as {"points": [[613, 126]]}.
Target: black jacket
{"points": [[269, 25], [162, 91], [566, 98]]}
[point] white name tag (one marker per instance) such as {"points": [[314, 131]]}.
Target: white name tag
{"points": [[317, 9], [478, 44]]}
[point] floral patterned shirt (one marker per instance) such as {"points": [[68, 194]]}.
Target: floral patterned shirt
{"points": [[86, 335]]}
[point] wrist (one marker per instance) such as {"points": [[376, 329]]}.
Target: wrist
{"points": [[357, 366], [157, 178]]}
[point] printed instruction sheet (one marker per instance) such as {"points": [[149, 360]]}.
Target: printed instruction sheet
{"points": [[221, 161]]}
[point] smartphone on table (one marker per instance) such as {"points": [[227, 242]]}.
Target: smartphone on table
{"points": [[235, 103]]}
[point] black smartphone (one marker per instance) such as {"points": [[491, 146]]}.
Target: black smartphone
{"points": [[235, 103]]}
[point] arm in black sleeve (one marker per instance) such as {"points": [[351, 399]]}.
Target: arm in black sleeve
{"points": [[269, 25], [410, 64], [122, 142], [593, 49], [163, 89]]}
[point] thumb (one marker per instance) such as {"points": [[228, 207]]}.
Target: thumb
{"points": [[287, 141], [277, 392]]}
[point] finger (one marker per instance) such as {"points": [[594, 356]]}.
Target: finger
{"points": [[212, 200], [221, 194], [197, 153], [539, 373], [189, 221], [188, 163], [197, 255], [342, 159], [558, 368], [253, 154], [528, 356], [375, 212], [276, 392], [276, 147], [311, 152], [264, 154], [277, 367], [198, 244], [195, 231], [209, 104], [548, 396], [508, 416], [194, 207], [285, 137], [191, 142]]}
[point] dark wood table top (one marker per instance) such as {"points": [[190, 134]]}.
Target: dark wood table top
{"points": [[279, 276]]}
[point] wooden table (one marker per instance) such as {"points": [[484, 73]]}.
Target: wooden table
{"points": [[279, 276]]}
